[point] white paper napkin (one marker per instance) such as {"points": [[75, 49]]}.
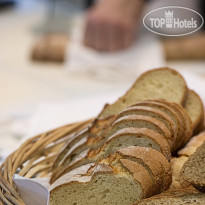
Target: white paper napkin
{"points": [[32, 191]]}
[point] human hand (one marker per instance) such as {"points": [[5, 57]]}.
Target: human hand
{"points": [[111, 24]]}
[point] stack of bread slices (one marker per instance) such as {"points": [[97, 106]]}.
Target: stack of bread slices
{"points": [[124, 155]]}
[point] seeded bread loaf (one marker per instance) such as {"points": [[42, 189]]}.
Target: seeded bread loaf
{"points": [[120, 179], [195, 108], [163, 83], [193, 169], [175, 197], [123, 138]]}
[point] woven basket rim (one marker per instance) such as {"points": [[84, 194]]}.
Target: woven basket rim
{"points": [[34, 158]]}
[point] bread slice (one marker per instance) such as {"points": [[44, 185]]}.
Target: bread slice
{"points": [[170, 112], [122, 178], [162, 83], [185, 119], [175, 197], [140, 121], [69, 143], [124, 122], [96, 128], [103, 185], [192, 145], [154, 161], [188, 125], [176, 165], [195, 108], [193, 170], [154, 113], [123, 138]]}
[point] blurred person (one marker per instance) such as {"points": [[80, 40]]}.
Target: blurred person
{"points": [[111, 25]]}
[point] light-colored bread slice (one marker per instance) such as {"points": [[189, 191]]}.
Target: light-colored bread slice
{"points": [[195, 109], [96, 128], [188, 126], [185, 119], [163, 83], [154, 113], [140, 121], [170, 112], [176, 165], [68, 146], [103, 184], [154, 161], [192, 145], [193, 170], [175, 197], [137, 137], [123, 138], [123, 122]]}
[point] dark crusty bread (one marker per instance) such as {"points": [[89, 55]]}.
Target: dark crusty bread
{"points": [[123, 138], [122, 178], [175, 197], [163, 83], [193, 169], [195, 108]]}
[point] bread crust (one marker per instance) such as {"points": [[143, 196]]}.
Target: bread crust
{"points": [[152, 158], [185, 119], [198, 124], [141, 175]]}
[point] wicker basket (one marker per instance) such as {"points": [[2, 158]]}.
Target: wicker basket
{"points": [[33, 159]]}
